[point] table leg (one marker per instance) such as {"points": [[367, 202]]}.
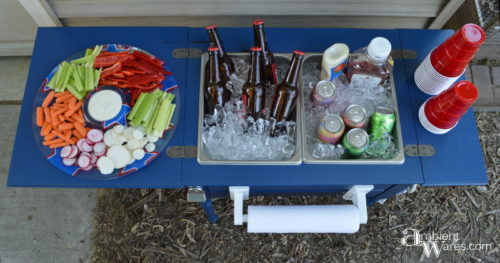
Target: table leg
{"points": [[208, 207]]}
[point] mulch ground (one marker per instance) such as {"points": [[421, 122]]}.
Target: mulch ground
{"points": [[151, 225]]}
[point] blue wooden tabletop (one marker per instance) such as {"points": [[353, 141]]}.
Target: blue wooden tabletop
{"points": [[458, 159]]}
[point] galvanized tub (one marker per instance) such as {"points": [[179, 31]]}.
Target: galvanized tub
{"points": [[315, 58], [282, 60]]}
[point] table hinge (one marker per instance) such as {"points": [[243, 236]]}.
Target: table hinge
{"points": [[182, 152], [186, 53], [419, 150], [403, 54]]}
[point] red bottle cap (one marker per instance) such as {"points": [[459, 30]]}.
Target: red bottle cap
{"points": [[298, 52], [213, 49], [445, 110], [452, 56], [258, 22], [255, 49], [210, 27]]}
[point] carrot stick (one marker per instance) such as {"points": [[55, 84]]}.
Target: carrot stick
{"points": [[39, 117], [64, 98], [61, 117], [66, 126], [60, 135], [49, 136], [77, 134], [74, 109], [46, 102], [46, 112], [58, 140], [59, 94], [77, 118], [72, 102], [57, 145], [46, 129], [80, 129], [55, 119]]}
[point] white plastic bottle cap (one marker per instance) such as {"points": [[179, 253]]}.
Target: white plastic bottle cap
{"points": [[379, 48]]}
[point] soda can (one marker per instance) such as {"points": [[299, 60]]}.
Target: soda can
{"points": [[323, 93], [356, 141], [382, 121], [355, 116], [331, 128]]}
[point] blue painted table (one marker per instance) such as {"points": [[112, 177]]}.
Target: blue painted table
{"points": [[458, 159]]}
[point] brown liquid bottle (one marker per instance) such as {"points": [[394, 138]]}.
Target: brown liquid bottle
{"points": [[268, 62], [225, 62], [254, 92], [286, 93], [215, 92]]}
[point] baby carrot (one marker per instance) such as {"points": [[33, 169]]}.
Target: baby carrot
{"points": [[46, 129], [59, 94], [39, 117], [80, 129], [55, 119], [49, 136], [61, 117], [49, 142], [74, 109], [77, 117], [60, 135], [57, 145], [46, 102], [46, 112], [66, 126]]}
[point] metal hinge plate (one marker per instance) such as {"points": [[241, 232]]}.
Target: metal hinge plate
{"points": [[186, 53], [419, 150], [182, 151], [403, 54]]}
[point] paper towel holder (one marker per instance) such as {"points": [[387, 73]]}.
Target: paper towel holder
{"points": [[357, 194]]}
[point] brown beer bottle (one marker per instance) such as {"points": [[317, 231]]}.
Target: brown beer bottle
{"points": [[216, 92], [268, 62], [286, 93], [225, 61], [254, 92]]}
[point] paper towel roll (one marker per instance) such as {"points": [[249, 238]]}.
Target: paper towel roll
{"points": [[303, 219]]}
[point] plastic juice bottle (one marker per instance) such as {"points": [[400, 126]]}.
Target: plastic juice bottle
{"points": [[370, 66]]}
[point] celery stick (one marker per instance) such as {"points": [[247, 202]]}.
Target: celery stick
{"points": [[59, 75], [146, 105], [89, 83], [88, 51], [69, 70], [149, 113], [159, 124], [82, 60], [149, 126], [52, 82], [74, 92], [136, 106], [97, 75], [169, 118], [77, 78]]}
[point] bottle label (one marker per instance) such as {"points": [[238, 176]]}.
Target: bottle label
{"points": [[429, 80], [336, 71], [364, 81]]}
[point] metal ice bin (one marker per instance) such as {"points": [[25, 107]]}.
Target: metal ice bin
{"points": [[398, 158], [281, 58]]}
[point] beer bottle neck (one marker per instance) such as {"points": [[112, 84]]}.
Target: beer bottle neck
{"points": [[213, 36], [259, 37], [254, 73], [292, 74], [214, 67]]}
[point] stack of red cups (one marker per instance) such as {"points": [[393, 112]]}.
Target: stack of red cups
{"points": [[447, 62], [441, 113]]}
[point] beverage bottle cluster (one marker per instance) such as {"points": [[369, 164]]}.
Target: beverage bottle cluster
{"points": [[262, 76]]}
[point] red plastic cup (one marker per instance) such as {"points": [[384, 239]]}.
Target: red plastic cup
{"points": [[452, 56], [441, 113]]}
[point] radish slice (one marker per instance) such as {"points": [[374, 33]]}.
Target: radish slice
{"points": [[129, 132], [93, 159], [85, 154], [105, 165], [99, 147], [152, 138], [118, 129], [89, 142], [133, 144], [95, 135], [88, 168], [138, 134], [83, 161], [99, 153], [119, 155], [138, 154], [150, 147], [109, 139], [69, 161], [74, 151], [86, 147], [66, 151], [79, 144]]}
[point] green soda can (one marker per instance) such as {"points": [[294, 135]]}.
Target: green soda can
{"points": [[356, 141], [382, 121]]}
